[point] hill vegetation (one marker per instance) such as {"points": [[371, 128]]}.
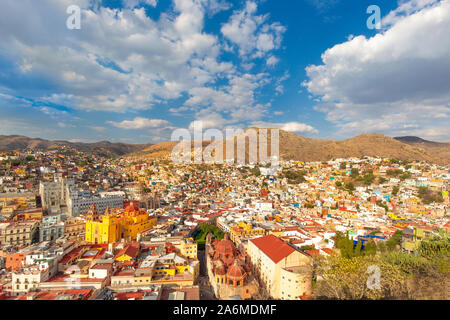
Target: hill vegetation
{"points": [[102, 148], [349, 273], [291, 147]]}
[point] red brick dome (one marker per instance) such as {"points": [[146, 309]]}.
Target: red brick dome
{"points": [[228, 261], [132, 207], [236, 272], [225, 249]]}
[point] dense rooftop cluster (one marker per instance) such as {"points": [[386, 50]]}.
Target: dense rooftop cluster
{"points": [[78, 226]]}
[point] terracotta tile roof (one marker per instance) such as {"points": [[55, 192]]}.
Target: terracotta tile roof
{"points": [[72, 254], [275, 248], [102, 266], [328, 250], [130, 250], [124, 273], [128, 295], [313, 253], [76, 294]]}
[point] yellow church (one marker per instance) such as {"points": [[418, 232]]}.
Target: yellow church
{"points": [[112, 227]]}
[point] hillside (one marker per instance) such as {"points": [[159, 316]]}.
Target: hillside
{"points": [[295, 147], [160, 150], [292, 147], [439, 150], [102, 148]]}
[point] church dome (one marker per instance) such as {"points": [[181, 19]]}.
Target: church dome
{"points": [[236, 272], [225, 249], [93, 214], [131, 207]]}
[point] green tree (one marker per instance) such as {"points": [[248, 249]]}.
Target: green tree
{"points": [[429, 196], [369, 179], [346, 278], [381, 246], [395, 240], [436, 246], [393, 172], [357, 250], [370, 248], [405, 176], [382, 205], [395, 190], [256, 172], [344, 244], [350, 186], [355, 173]]}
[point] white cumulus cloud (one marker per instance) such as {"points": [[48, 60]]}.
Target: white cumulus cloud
{"points": [[251, 33], [395, 80], [296, 127], [140, 123]]}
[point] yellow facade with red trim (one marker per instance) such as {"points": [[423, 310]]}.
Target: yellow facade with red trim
{"points": [[112, 227]]}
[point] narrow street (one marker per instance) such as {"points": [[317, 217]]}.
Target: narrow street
{"points": [[206, 290]]}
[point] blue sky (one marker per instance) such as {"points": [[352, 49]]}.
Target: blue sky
{"points": [[139, 69]]}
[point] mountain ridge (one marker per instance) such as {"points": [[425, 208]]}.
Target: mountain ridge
{"points": [[296, 147], [414, 139], [102, 148], [292, 147]]}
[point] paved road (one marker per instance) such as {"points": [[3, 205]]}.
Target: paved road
{"points": [[206, 291]]}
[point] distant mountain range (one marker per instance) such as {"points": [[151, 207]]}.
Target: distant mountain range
{"points": [[102, 148], [295, 147], [292, 147], [438, 150]]}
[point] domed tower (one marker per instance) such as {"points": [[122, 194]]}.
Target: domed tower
{"points": [[225, 249], [131, 209], [236, 275], [92, 213]]}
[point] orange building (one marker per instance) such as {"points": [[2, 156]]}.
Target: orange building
{"points": [[15, 261]]}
